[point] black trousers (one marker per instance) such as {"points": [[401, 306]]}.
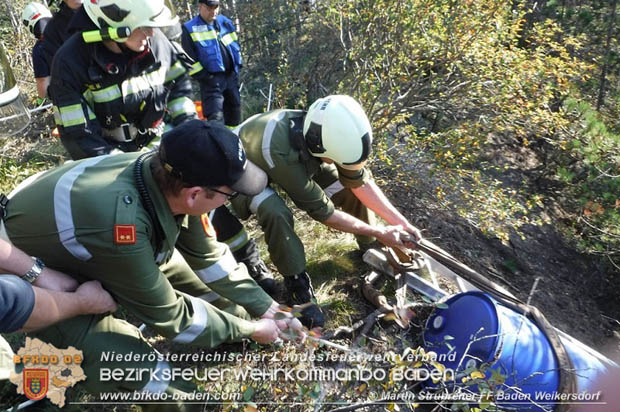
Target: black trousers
{"points": [[221, 101]]}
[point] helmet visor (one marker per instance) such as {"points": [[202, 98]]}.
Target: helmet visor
{"points": [[163, 19], [173, 31], [14, 117]]}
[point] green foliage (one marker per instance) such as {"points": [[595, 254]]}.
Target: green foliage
{"points": [[450, 84]]}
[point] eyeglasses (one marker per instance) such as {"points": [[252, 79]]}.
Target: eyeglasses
{"points": [[230, 196]]}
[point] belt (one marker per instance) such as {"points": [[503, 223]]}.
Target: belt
{"points": [[127, 132], [124, 133]]}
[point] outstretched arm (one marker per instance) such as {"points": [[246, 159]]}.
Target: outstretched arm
{"points": [[373, 198]]}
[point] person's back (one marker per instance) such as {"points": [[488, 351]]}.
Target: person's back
{"points": [[36, 17], [57, 30]]}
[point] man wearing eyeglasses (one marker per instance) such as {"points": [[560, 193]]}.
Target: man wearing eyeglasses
{"points": [[138, 224], [211, 40]]}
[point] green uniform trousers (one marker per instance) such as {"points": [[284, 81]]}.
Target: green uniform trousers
{"points": [[98, 334], [276, 219]]}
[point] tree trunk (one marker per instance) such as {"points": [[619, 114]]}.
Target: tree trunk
{"points": [[533, 9], [610, 32]]}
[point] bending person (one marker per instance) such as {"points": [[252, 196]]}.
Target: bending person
{"points": [[318, 159]]}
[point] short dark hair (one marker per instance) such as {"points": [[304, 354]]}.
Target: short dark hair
{"points": [[168, 184]]}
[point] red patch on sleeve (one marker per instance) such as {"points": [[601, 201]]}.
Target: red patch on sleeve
{"points": [[206, 225], [125, 234]]}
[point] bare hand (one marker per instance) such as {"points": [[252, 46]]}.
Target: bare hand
{"points": [[392, 236], [414, 232], [96, 298], [284, 320], [54, 280], [266, 331]]}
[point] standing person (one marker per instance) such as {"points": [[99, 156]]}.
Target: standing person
{"points": [[36, 17], [111, 92], [138, 224], [211, 40], [318, 159], [55, 34]]}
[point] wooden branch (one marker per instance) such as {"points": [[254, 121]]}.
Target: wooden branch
{"points": [[359, 406]]}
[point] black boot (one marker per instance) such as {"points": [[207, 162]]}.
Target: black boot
{"points": [[300, 291], [263, 276], [248, 255]]}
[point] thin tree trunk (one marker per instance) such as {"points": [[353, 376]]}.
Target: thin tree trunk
{"points": [[610, 31], [233, 8], [14, 21]]}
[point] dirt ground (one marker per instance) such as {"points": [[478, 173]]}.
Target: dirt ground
{"points": [[575, 291]]}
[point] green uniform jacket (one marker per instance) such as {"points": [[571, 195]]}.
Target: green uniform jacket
{"points": [[79, 217], [267, 142]]}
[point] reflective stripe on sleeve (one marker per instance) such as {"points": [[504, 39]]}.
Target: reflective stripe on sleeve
{"points": [[207, 297], [196, 67], [260, 198], [238, 240], [333, 188], [158, 384], [107, 95], [267, 135], [56, 113], [182, 105], [63, 212], [203, 35], [176, 70], [229, 38], [199, 322], [72, 115], [143, 82], [220, 269]]}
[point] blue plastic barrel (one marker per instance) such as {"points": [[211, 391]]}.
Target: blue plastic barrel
{"points": [[481, 330]]}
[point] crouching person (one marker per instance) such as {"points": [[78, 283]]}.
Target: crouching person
{"points": [[138, 224]]}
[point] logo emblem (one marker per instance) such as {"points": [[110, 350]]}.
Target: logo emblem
{"points": [[36, 383], [125, 234]]}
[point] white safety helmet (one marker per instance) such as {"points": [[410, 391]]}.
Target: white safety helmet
{"points": [[336, 127], [33, 12], [129, 13]]}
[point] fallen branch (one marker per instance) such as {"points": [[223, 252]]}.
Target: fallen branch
{"points": [[359, 406]]}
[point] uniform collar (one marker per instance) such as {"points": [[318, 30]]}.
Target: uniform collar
{"points": [[169, 223]]}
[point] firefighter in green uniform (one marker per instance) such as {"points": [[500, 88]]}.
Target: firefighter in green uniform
{"points": [[318, 159], [138, 224]]}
